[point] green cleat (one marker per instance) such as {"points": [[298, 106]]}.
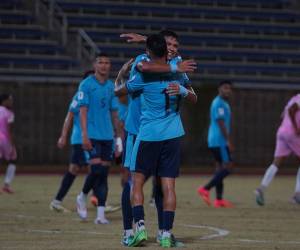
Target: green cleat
{"points": [[175, 242], [127, 240], [259, 197], [138, 238], [166, 242]]}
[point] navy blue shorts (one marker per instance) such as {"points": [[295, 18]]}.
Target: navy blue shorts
{"points": [[159, 158], [128, 147], [78, 155], [102, 149], [221, 154]]}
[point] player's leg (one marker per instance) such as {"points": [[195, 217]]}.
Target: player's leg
{"points": [[168, 170], [222, 156], [152, 199], [10, 156], [282, 151], [101, 191]]}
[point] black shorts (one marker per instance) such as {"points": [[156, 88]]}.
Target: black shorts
{"points": [[78, 155], [221, 154], [159, 158], [102, 149]]}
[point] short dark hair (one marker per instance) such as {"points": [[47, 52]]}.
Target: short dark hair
{"points": [[169, 33], [101, 54], [156, 43], [4, 97], [225, 82]]}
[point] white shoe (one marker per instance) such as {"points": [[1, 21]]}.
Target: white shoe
{"points": [[81, 207], [55, 205], [101, 221]]}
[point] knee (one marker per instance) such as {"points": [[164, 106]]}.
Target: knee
{"points": [[74, 169]]}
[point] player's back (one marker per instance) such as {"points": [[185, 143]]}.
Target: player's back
{"points": [[286, 124], [6, 117]]}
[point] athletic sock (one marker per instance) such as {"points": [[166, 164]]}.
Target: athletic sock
{"points": [[138, 213], [268, 177], [10, 173], [219, 190], [168, 219], [100, 212], [65, 185], [218, 177], [158, 195], [297, 188], [126, 207]]}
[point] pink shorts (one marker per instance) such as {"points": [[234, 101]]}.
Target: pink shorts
{"points": [[7, 151], [287, 144]]}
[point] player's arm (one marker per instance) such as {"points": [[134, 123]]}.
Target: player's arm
{"points": [[181, 67], [68, 122], [134, 37], [120, 89], [187, 92], [293, 109]]}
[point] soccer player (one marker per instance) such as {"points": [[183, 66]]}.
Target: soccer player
{"points": [[98, 120], [287, 143], [159, 109], [8, 152], [78, 156], [220, 144]]}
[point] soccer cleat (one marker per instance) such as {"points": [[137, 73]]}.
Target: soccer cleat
{"points": [[99, 221], [56, 206], [222, 203], [139, 237], [94, 200], [7, 189], [204, 194], [126, 240], [174, 241], [111, 208], [166, 242], [296, 198], [81, 208], [259, 197]]}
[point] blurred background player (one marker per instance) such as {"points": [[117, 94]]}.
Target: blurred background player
{"points": [[78, 157], [8, 153], [287, 143], [220, 144], [98, 121]]}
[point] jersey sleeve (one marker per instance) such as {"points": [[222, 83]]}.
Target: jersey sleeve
{"points": [[73, 106], [83, 94], [219, 112]]}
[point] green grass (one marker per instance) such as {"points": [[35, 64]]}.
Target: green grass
{"points": [[26, 223]]}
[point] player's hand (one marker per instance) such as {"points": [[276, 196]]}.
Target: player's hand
{"points": [[186, 66], [62, 141], [133, 37], [118, 147], [173, 89], [86, 144]]}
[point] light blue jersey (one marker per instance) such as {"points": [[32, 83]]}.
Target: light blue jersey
{"points": [[100, 100], [181, 77], [219, 110], [160, 119], [132, 123], [76, 130], [122, 111]]}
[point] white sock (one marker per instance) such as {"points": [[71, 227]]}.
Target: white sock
{"points": [[269, 175], [140, 225], [10, 173], [83, 196], [128, 232], [297, 188], [100, 212], [166, 234]]}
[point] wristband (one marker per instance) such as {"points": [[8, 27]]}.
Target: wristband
{"points": [[119, 144], [183, 91]]}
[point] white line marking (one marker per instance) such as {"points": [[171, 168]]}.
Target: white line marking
{"points": [[219, 231]]}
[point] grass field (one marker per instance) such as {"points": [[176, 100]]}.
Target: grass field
{"points": [[26, 223]]}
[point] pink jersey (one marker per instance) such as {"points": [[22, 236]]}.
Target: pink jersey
{"points": [[6, 117], [286, 126]]}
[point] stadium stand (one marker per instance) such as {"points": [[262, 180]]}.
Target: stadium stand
{"points": [[253, 41]]}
